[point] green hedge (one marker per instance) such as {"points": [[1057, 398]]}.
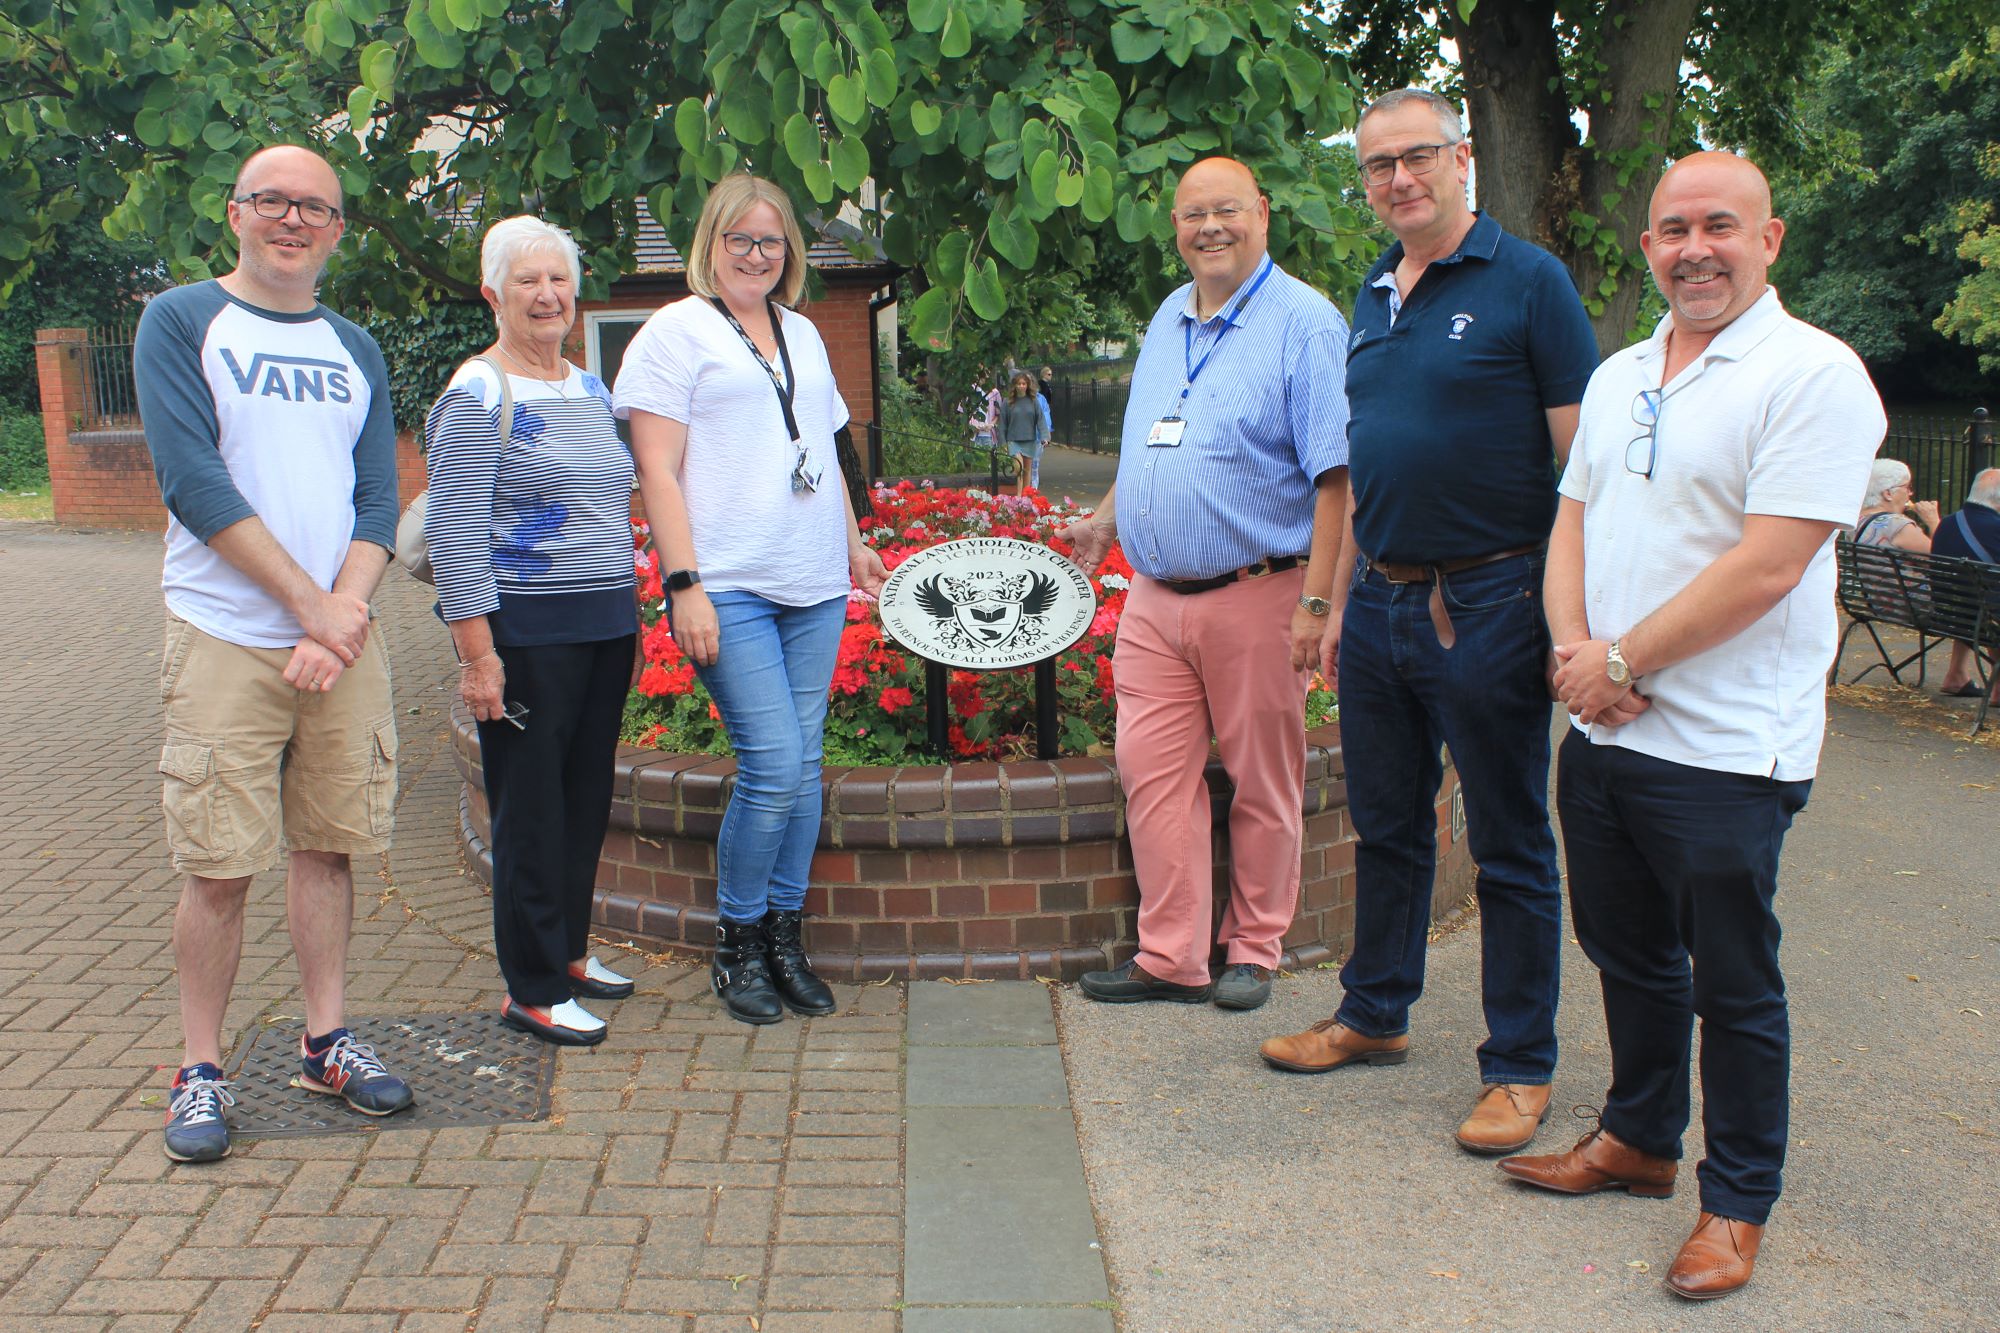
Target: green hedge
{"points": [[24, 458]]}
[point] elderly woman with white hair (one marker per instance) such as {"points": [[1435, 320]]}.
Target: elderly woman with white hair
{"points": [[1883, 520], [531, 542]]}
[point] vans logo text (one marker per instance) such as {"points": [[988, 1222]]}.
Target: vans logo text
{"points": [[309, 378]]}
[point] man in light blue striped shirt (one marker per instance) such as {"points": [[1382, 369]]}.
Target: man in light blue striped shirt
{"points": [[1232, 480]]}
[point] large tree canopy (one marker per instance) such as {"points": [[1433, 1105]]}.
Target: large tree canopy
{"points": [[1883, 150], [1574, 108], [981, 139]]}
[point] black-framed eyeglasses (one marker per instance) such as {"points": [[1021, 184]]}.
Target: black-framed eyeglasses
{"points": [[741, 243], [1198, 217], [1645, 412], [267, 204], [515, 713], [1421, 160]]}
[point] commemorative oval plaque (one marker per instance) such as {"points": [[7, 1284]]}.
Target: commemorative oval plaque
{"points": [[987, 603]]}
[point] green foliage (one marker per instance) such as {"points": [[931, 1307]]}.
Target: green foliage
{"points": [[422, 351], [1881, 184], [24, 459], [87, 281], [1001, 137], [1973, 313], [918, 440]]}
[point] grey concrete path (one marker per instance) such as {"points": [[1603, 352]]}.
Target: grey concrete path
{"points": [[998, 1233], [1234, 1196]]}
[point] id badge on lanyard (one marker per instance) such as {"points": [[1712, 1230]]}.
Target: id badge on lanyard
{"points": [[1168, 431]]}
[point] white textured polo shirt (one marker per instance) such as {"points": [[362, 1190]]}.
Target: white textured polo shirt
{"points": [[1774, 417]]}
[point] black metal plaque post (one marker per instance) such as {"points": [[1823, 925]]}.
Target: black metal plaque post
{"points": [[1045, 708], [937, 709]]}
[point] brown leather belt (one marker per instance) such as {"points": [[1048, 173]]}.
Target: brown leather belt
{"points": [[1436, 573], [1275, 564]]}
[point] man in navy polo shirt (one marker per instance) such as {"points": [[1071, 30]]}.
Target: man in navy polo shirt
{"points": [[1469, 355], [1973, 533]]}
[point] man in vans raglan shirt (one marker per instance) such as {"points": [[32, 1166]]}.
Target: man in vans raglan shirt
{"points": [[269, 423]]}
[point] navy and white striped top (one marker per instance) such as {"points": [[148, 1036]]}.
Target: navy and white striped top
{"points": [[1265, 417], [536, 536]]}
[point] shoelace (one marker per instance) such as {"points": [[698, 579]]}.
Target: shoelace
{"points": [[202, 1099], [350, 1055]]}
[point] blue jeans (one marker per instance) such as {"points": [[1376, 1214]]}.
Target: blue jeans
{"points": [[1401, 695], [1672, 871], [1032, 451], [770, 682]]}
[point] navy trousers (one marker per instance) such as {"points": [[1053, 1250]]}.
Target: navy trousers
{"points": [[1672, 871]]}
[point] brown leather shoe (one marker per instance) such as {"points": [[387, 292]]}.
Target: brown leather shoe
{"points": [[1328, 1045], [1506, 1118], [1716, 1259], [1599, 1161]]}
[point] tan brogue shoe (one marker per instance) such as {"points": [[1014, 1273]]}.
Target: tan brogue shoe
{"points": [[1328, 1045], [1716, 1259], [1506, 1118], [1599, 1161]]}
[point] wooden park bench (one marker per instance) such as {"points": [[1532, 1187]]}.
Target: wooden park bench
{"points": [[1943, 598]]}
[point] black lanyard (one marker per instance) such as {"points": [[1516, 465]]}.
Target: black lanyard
{"points": [[784, 386]]}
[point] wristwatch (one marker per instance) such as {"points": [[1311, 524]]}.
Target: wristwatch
{"points": [[680, 580], [1315, 606], [1616, 668]]}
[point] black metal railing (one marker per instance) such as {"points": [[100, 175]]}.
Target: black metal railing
{"points": [[108, 395], [900, 453], [1944, 453], [1087, 403]]}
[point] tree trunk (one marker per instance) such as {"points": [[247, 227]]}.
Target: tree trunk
{"points": [[1532, 170]]}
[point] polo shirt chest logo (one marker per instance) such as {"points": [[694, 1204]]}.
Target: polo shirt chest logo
{"points": [[1458, 327]]}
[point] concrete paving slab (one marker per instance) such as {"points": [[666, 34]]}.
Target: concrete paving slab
{"points": [[987, 1076], [988, 1319], [994, 1013], [1234, 1196], [996, 1209]]}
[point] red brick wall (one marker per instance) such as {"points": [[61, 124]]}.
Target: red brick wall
{"points": [[98, 478]]}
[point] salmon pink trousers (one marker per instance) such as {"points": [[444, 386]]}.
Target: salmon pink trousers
{"points": [[1187, 668]]}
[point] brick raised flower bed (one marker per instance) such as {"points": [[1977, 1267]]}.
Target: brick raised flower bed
{"points": [[1012, 870]]}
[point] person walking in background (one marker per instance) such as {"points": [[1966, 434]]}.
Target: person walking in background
{"points": [[531, 543], [986, 411], [1023, 427], [1691, 597], [1973, 533], [733, 409], [269, 422], [1471, 350], [1232, 477]]}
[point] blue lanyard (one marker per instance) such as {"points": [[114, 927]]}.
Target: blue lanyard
{"points": [[1189, 366]]}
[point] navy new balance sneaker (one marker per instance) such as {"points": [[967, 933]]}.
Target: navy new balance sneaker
{"points": [[342, 1067], [196, 1131]]}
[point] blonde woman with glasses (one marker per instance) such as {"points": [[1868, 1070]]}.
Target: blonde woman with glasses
{"points": [[733, 410]]}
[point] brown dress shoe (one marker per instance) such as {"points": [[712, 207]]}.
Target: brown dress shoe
{"points": [[1599, 1161], [1327, 1045], [1716, 1259], [1506, 1118]]}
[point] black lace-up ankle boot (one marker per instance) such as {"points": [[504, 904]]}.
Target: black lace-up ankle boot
{"points": [[739, 975], [791, 970]]}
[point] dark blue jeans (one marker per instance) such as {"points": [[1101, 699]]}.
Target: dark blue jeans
{"points": [[1671, 874], [1402, 695]]}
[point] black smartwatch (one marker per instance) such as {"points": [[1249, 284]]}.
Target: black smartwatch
{"points": [[680, 580]]}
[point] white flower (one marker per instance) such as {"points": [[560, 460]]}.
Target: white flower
{"points": [[1115, 581]]}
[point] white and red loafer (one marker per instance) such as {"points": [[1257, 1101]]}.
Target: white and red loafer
{"points": [[565, 1024], [595, 981]]}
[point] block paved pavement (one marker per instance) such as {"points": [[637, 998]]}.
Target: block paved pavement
{"points": [[696, 1175]]}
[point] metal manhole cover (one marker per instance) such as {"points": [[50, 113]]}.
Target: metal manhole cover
{"points": [[466, 1069]]}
